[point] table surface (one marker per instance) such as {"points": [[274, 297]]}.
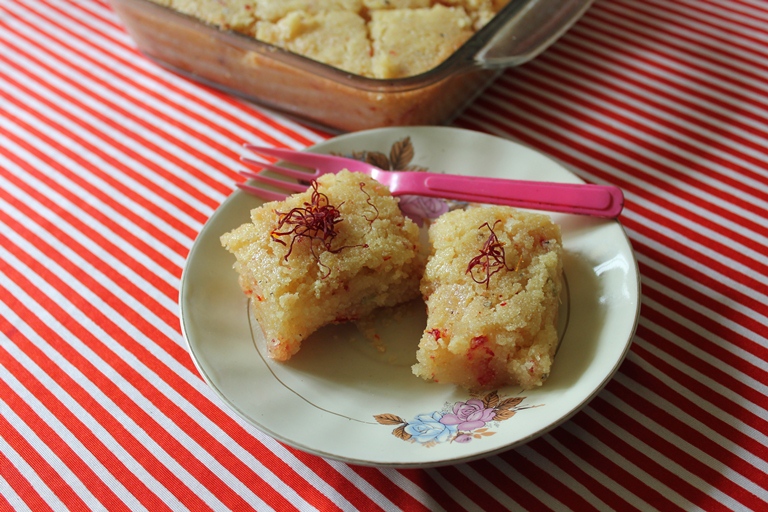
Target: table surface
{"points": [[110, 166]]}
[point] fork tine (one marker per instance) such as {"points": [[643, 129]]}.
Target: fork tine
{"points": [[289, 155], [261, 193], [291, 186], [285, 171]]}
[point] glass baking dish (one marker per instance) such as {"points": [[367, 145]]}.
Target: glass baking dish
{"points": [[334, 99]]}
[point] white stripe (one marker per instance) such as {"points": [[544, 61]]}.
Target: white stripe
{"points": [[683, 444], [102, 100], [107, 141], [109, 260], [468, 472], [686, 25], [60, 467], [741, 7], [104, 50], [10, 494], [158, 383], [705, 403], [451, 490], [576, 139], [716, 315], [694, 351], [362, 485], [711, 23], [653, 78], [139, 434], [607, 481], [561, 476], [307, 473], [668, 56], [673, 217], [747, 213], [141, 402], [607, 451], [413, 490], [693, 264], [107, 188], [532, 487], [82, 489], [27, 471], [618, 99]]}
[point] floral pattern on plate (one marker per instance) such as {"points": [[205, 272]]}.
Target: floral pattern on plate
{"points": [[460, 422], [401, 153]]}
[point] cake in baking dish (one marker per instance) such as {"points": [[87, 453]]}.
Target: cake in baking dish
{"points": [[492, 286], [384, 39], [328, 255]]}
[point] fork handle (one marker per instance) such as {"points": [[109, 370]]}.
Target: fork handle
{"points": [[579, 198]]}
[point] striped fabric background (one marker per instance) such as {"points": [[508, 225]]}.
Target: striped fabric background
{"points": [[109, 166]]}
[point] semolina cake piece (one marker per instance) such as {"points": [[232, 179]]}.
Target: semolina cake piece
{"points": [[492, 284], [273, 10], [337, 38], [396, 4], [481, 11], [237, 15], [328, 255], [407, 42]]}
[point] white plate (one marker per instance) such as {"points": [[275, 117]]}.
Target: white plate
{"points": [[342, 397]]}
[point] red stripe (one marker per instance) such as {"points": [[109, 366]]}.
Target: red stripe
{"points": [[597, 460], [109, 388], [718, 374], [119, 113], [684, 274], [127, 153], [470, 489], [79, 430], [602, 63], [99, 9], [136, 64], [331, 476], [432, 489], [113, 298], [667, 35], [650, 161], [401, 500], [78, 175], [635, 453], [709, 473], [15, 479], [148, 248], [690, 7], [675, 132], [540, 477], [162, 402], [627, 37], [714, 38], [563, 493], [49, 436], [125, 284], [675, 245], [634, 189]]}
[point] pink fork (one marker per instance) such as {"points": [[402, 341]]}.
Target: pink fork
{"points": [[582, 199]]}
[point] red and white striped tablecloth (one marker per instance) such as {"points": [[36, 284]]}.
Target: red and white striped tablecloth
{"points": [[110, 165]]}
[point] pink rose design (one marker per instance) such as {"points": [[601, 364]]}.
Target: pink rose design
{"points": [[419, 208], [469, 415]]}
